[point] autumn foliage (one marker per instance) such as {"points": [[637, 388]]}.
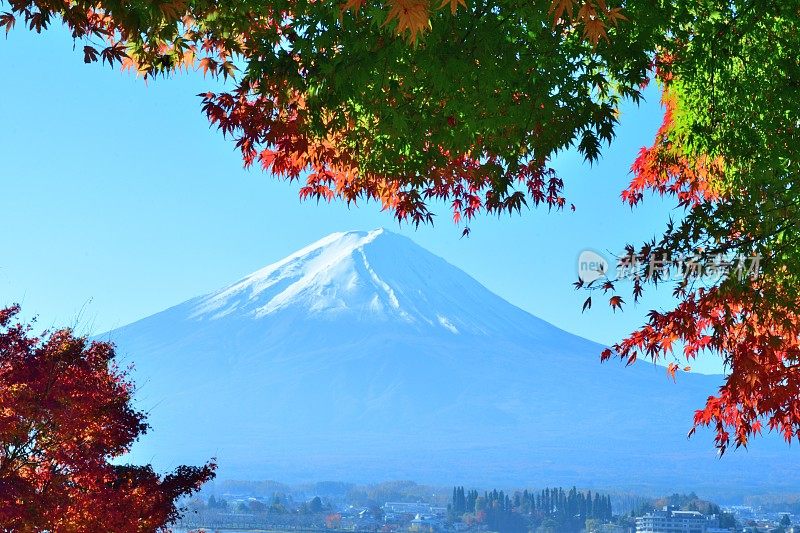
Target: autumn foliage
{"points": [[403, 103], [727, 152], [65, 419]]}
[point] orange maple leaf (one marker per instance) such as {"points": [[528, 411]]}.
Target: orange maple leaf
{"points": [[559, 7], [453, 5], [355, 5], [615, 15], [594, 28], [412, 16], [207, 64]]}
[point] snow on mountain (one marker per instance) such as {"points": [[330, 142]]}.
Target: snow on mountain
{"points": [[365, 357], [370, 277], [334, 276]]}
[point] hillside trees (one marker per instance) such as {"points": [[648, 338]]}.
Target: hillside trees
{"points": [[65, 419], [467, 101]]}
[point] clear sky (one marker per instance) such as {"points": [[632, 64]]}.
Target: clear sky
{"points": [[118, 201]]}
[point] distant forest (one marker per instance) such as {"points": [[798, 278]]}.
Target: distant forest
{"points": [[552, 508]]}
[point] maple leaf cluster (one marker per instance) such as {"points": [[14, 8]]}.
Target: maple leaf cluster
{"points": [[594, 17], [462, 117], [727, 151], [65, 416], [405, 103]]}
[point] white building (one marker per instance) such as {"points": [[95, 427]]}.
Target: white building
{"points": [[413, 508], [671, 520]]}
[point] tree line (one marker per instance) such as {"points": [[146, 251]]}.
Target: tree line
{"points": [[566, 510]]}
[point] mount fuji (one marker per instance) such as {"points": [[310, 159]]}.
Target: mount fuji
{"points": [[364, 357]]}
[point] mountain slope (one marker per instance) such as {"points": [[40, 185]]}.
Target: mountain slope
{"points": [[363, 356]]}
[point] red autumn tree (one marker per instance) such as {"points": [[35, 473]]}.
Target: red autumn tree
{"points": [[65, 416]]}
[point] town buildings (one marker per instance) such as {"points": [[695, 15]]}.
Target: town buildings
{"points": [[671, 520]]}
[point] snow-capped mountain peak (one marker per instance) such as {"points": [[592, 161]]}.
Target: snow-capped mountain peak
{"points": [[320, 277], [373, 276]]}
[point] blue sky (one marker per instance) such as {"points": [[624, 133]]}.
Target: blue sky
{"points": [[118, 201]]}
